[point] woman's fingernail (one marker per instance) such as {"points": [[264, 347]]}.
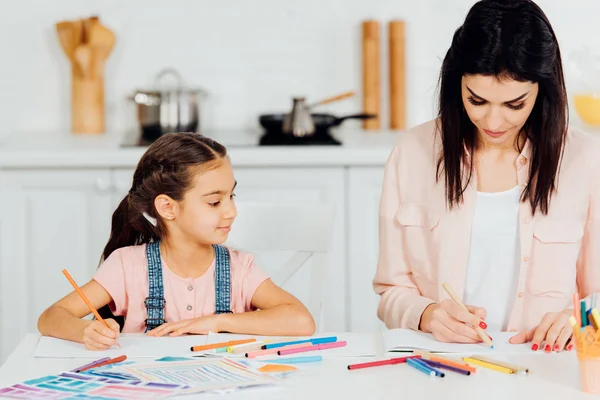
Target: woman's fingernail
{"points": [[570, 347], [483, 325], [556, 347], [535, 347], [547, 348]]}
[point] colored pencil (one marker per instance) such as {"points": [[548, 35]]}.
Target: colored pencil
{"points": [[311, 341], [484, 364], [107, 362], [221, 344], [484, 336], [323, 346], [576, 308], [86, 300], [391, 361]]}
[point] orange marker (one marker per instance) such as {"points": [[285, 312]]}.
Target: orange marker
{"points": [[450, 363], [85, 300], [222, 344], [107, 362]]}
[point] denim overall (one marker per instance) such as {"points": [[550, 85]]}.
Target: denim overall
{"points": [[155, 303]]}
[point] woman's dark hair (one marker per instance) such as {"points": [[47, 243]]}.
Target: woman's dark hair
{"points": [[167, 167], [504, 39]]}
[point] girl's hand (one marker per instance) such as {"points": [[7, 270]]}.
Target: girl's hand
{"points": [[96, 336], [554, 331], [448, 322], [200, 325]]}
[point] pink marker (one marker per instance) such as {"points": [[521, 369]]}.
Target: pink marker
{"points": [[324, 346], [259, 353]]}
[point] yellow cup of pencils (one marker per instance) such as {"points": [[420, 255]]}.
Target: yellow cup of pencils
{"points": [[587, 343]]}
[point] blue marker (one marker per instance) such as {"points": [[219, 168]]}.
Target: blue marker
{"points": [[426, 364], [293, 360], [330, 339], [420, 367]]}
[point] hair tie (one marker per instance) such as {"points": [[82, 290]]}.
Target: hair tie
{"points": [[153, 221]]}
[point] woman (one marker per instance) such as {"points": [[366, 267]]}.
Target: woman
{"points": [[497, 197]]}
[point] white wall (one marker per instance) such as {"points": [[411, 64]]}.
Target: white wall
{"points": [[251, 55]]}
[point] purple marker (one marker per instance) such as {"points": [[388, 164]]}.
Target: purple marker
{"points": [[90, 364]]}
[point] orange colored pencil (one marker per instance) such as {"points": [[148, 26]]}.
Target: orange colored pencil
{"points": [[107, 362], [86, 300], [577, 308], [222, 344]]}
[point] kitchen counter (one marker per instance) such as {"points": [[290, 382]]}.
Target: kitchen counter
{"points": [[359, 148]]}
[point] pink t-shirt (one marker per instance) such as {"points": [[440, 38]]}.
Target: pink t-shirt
{"points": [[124, 275]]}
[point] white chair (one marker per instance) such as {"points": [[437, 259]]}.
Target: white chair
{"points": [[303, 229]]}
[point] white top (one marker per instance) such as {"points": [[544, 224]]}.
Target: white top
{"points": [[493, 267]]}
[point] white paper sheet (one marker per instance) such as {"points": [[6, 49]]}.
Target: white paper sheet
{"points": [[408, 340], [132, 345], [358, 344]]}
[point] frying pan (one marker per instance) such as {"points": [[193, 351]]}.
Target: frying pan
{"points": [[273, 123]]}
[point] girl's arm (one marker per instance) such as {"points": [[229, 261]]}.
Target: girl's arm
{"points": [[279, 314], [64, 320]]}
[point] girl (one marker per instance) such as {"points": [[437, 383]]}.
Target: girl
{"points": [[163, 270], [498, 196]]}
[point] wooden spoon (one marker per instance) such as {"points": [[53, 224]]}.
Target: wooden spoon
{"points": [[102, 41], [83, 60], [332, 99], [65, 30]]}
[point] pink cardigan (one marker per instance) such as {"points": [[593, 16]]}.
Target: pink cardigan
{"points": [[422, 244]]}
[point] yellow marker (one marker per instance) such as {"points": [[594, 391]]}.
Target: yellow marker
{"points": [[516, 368], [573, 321], [245, 348], [489, 365], [596, 318]]}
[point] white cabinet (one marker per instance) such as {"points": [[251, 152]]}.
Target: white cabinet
{"points": [[304, 186], [121, 184], [50, 220], [364, 191]]}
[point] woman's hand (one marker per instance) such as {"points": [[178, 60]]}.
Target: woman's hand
{"points": [[554, 331], [201, 325], [447, 321]]}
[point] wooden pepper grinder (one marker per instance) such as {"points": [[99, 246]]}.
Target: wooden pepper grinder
{"points": [[87, 44], [396, 38], [371, 74]]}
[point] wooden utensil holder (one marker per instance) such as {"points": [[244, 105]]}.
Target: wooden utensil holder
{"points": [[87, 104]]}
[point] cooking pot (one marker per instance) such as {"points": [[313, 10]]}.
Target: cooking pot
{"points": [[167, 108]]}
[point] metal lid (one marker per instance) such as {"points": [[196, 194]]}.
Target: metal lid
{"points": [[161, 87]]}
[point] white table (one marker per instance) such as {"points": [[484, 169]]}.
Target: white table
{"points": [[553, 376]]}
